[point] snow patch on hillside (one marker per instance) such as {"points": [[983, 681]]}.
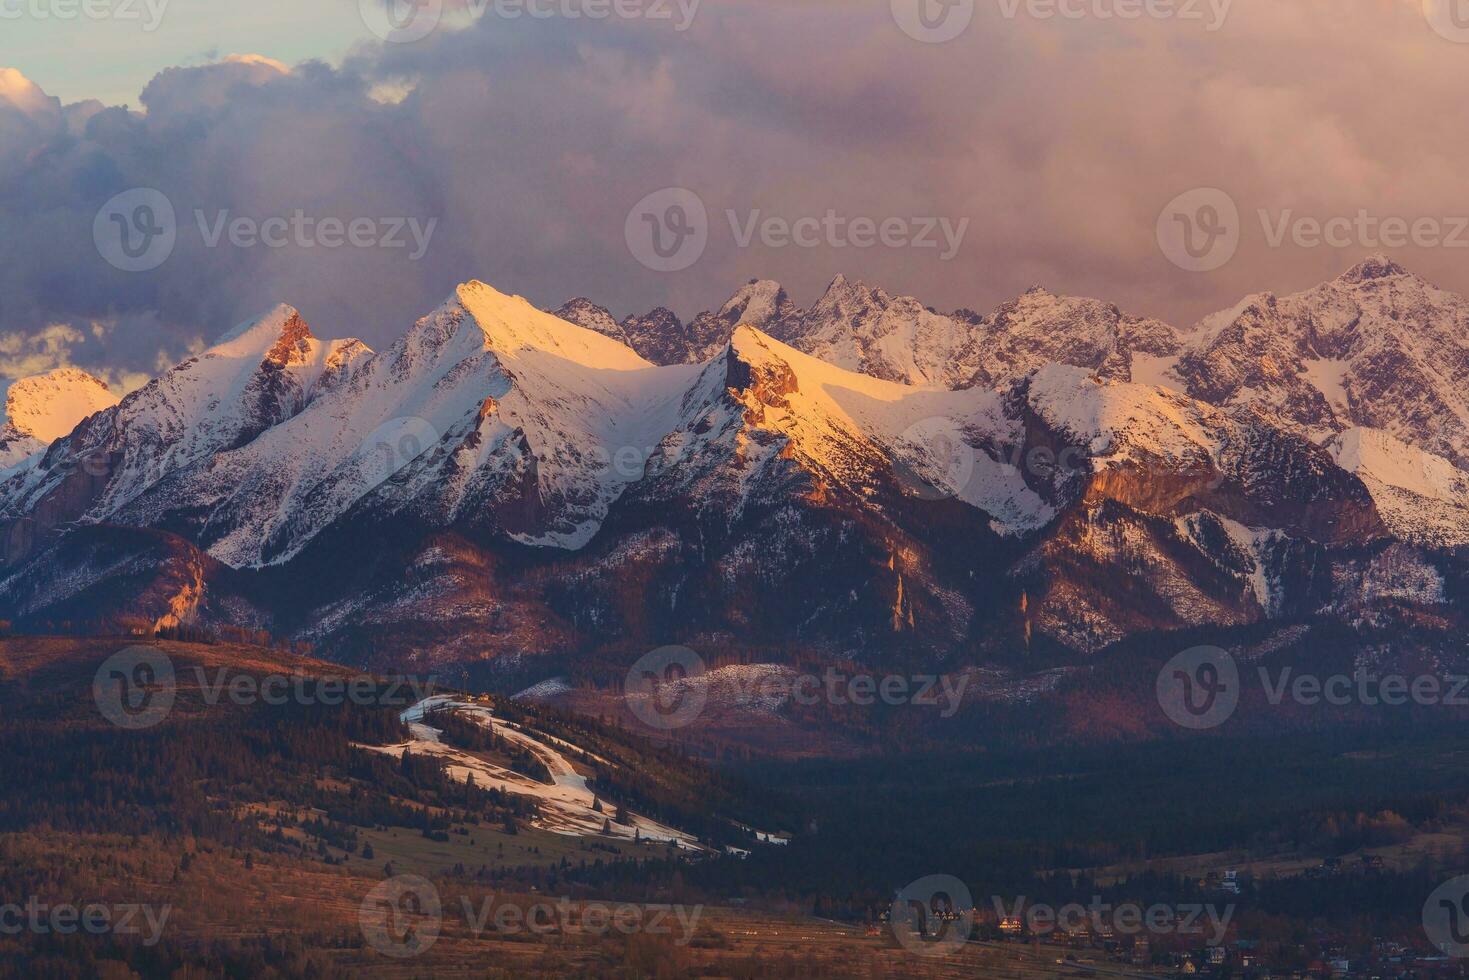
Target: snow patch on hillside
{"points": [[1422, 498], [566, 804]]}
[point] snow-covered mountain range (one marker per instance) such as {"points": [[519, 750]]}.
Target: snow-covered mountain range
{"points": [[869, 477]]}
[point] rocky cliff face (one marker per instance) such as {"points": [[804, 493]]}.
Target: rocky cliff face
{"points": [[1377, 348]]}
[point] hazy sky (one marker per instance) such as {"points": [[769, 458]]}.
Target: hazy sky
{"points": [[113, 58], [1053, 134]]}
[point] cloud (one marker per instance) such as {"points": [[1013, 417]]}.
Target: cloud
{"points": [[529, 140], [23, 354], [257, 59], [57, 345]]}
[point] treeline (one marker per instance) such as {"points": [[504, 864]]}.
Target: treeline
{"points": [[143, 630], [473, 737], [1009, 824], [197, 771]]}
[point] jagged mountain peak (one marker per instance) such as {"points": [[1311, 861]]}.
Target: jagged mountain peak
{"points": [[1377, 266], [280, 325], [1377, 347], [276, 341], [584, 313], [43, 408], [842, 291], [258, 375], [658, 315], [48, 406], [760, 302], [512, 325], [478, 318], [752, 342]]}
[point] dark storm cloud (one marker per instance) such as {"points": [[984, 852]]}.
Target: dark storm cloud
{"points": [[527, 141]]}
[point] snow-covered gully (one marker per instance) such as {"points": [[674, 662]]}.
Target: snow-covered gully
{"points": [[567, 804]]}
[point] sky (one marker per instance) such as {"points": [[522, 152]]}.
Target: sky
{"points": [[1171, 161]]}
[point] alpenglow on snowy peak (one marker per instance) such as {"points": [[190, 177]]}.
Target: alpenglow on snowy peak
{"points": [[866, 475], [42, 408]]}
